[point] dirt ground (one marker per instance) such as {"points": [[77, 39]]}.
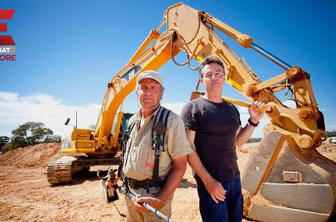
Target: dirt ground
{"points": [[25, 194]]}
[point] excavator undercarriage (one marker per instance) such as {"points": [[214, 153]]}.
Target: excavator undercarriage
{"points": [[65, 168]]}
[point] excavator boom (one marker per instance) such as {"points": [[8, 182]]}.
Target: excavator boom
{"points": [[301, 124]]}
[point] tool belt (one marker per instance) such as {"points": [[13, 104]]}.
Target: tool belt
{"points": [[146, 184]]}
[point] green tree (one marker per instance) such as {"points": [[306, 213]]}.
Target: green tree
{"points": [[331, 134], [30, 133], [52, 139], [253, 140], [3, 141]]}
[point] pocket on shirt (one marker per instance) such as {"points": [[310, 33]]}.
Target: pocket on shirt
{"points": [[150, 163]]}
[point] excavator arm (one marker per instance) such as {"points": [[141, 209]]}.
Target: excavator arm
{"points": [[286, 159], [193, 32], [146, 58]]}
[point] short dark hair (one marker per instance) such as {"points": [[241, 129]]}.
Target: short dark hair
{"points": [[209, 60]]}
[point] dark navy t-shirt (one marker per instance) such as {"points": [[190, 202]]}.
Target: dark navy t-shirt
{"points": [[215, 125]]}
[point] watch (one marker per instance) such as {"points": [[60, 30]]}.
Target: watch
{"points": [[252, 123]]}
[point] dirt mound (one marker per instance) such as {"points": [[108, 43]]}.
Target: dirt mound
{"points": [[328, 150], [31, 156]]}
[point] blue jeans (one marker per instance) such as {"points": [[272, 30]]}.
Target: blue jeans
{"points": [[229, 210]]}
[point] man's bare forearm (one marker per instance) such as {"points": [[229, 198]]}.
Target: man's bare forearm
{"points": [[196, 164], [244, 134], [194, 160], [174, 178]]}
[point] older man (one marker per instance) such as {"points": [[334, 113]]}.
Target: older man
{"points": [[150, 170], [214, 130]]}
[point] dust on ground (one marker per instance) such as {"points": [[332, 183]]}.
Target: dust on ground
{"points": [[25, 194]]}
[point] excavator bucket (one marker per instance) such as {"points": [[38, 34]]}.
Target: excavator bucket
{"points": [[283, 183]]}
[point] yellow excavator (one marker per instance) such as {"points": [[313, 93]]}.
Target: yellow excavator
{"points": [[285, 180]]}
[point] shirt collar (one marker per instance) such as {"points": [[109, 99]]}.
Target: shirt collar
{"points": [[138, 113]]}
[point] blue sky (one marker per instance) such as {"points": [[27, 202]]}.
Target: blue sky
{"points": [[67, 51]]}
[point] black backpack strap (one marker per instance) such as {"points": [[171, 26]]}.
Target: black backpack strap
{"points": [[127, 135], [124, 149], [158, 134]]}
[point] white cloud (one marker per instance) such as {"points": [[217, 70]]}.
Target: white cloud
{"points": [[330, 127], [323, 109], [16, 110], [290, 104], [176, 107]]}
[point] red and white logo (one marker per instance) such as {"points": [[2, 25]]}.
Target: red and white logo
{"points": [[7, 44]]}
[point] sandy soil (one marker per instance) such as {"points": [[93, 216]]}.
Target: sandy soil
{"points": [[25, 194]]}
